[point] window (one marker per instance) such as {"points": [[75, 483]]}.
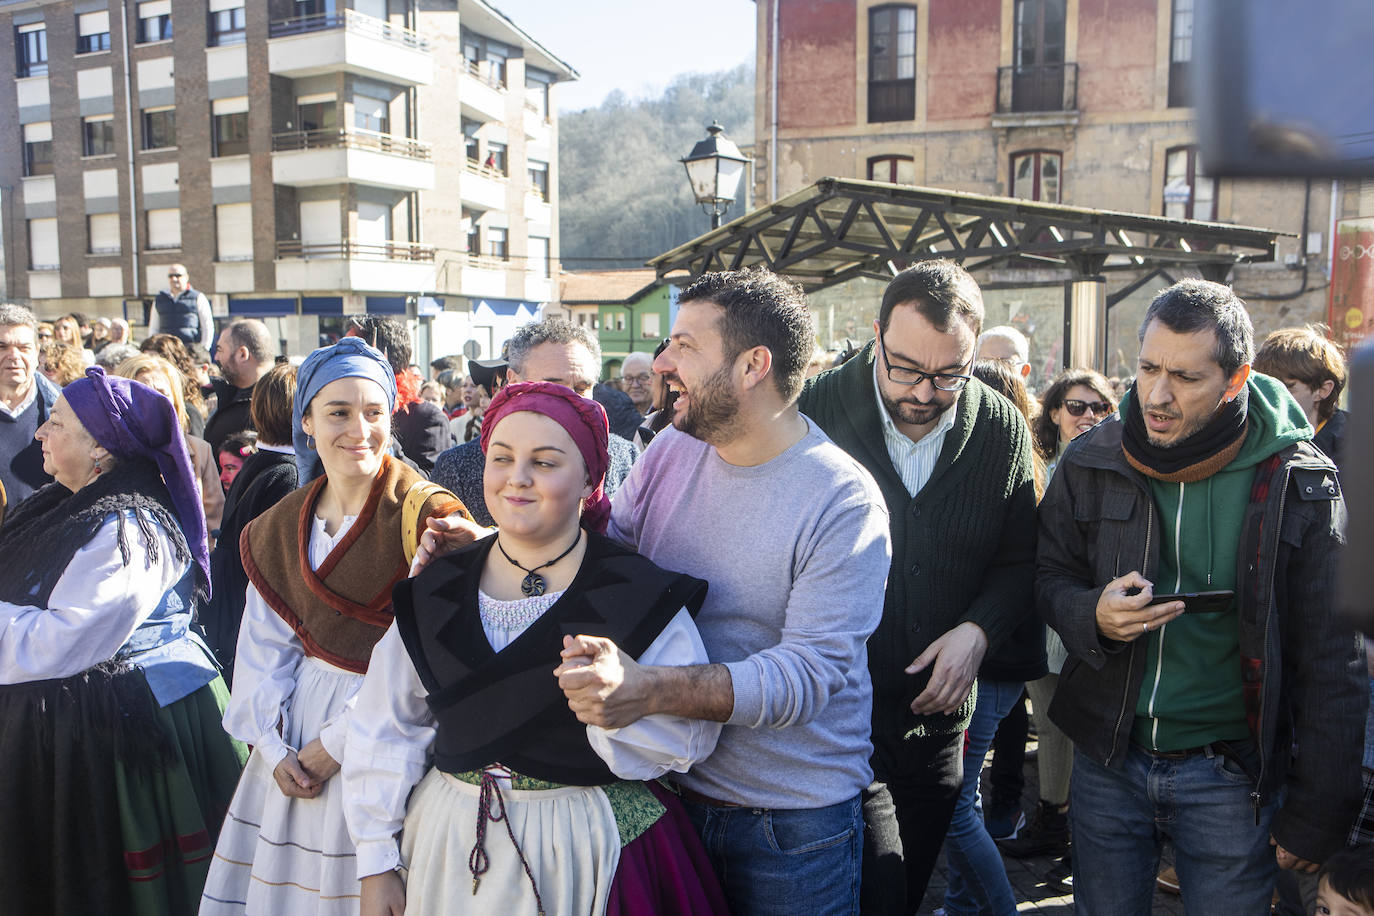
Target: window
{"points": [[1181, 54], [896, 169], [226, 24], [154, 20], [1188, 194], [92, 32], [539, 178], [31, 49], [317, 114], [1035, 176], [229, 132], [371, 108], [892, 63], [43, 251], [496, 157], [649, 326], [159, 128], [470, 129], [234, 232], [474, 235], [38, 148], [486, 57], [537, 84], [620, 321], [97, 136], [537, 261], [164, 228], [1038, 75], [102, 233], [497, 245], [374, 224]]}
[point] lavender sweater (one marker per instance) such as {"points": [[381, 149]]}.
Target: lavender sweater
{"points": [[796, 552]]}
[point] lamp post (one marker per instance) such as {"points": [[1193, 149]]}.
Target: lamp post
{"points": [[714, 167]]}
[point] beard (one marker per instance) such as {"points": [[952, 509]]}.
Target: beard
{"points": [[912, 411], [712, 408], [1186, 432]]}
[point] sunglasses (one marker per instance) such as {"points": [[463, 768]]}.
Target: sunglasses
{"points": [[1076, 408], [173, 276]]}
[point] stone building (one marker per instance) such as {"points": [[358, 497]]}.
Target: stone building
{"points": [[1081, 102], [305, 159]]}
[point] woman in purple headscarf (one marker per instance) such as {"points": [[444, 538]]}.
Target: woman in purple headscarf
{"points": [[116, 771], [516, 806]]}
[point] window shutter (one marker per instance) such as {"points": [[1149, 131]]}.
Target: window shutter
{"points": [[43, 244], [164, 228], [93, 23], [104, 228], [234, 231]]}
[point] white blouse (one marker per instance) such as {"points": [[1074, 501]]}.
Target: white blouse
{"points": [[94, 608], [391, 730], [267, 663]]}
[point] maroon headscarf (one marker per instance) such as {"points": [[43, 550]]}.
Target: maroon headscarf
{"points": [[583, 418]]}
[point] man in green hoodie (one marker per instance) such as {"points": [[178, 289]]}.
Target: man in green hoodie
{"points": [[1236, 733]]}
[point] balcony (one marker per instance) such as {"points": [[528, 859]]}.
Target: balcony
{"points": [[351, 42], [481, 93], [1037, 95], [537, 209], [537, 125], [302, 158], [484, 275], [482, 188], [353, 265]]}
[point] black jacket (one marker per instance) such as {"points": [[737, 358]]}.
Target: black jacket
{"points": [[232, 413], [1302, 666], [963, 548], [424, 433], [261, 483]]}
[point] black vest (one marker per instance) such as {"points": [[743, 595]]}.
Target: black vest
{"points": [[179, 316], [507, 707]]}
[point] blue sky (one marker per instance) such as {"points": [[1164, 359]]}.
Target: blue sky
{"points": [[636, 46]]}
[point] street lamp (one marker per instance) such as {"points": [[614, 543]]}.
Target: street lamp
{"points": [[714, 167]]}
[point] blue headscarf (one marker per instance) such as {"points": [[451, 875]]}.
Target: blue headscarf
{"points": [[351, 357]]}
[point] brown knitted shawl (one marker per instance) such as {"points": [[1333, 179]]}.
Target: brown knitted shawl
{"points": [[341, 609]]}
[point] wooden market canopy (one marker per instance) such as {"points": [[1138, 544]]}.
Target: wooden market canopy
{"points": [[841, 228]]}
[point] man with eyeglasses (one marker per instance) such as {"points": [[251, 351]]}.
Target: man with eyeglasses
{"points": [[953, 461], [182, 311], [636, 374]]}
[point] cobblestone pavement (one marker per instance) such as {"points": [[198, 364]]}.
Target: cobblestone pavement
{"points": [[1028, 876]]}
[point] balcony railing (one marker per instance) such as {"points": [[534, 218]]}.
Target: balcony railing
{"points": [[486, 261], [351, 250], [486, 171], [1038, 87], [485, 74], [352, 138], [358, 23]]}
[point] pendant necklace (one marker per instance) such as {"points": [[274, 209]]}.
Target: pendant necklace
{"points": [[534, 584]]}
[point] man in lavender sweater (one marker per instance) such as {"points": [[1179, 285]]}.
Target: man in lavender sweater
{"points": [[792, 535]]}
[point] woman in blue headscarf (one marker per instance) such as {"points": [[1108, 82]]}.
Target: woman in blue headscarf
{"points": [[320, 565], [116, 772]]}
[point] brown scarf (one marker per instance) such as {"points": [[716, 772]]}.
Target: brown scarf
{"points": [[341, 609], [1198, 457]]}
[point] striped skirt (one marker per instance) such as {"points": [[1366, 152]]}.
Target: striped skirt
{"points": [[280, 855]]}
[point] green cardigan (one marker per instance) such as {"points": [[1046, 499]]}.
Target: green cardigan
{"points": [[962, 549]]}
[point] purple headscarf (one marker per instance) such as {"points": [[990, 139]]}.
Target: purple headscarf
{"points": [[128, 419]]}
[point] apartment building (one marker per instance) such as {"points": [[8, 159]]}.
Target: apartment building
{"points": [[1081, 102], [306, 159]]}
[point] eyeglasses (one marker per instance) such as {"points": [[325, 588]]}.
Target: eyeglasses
{"points": [[1077, 408], [901, 375], [636, 379], [174, 276]]}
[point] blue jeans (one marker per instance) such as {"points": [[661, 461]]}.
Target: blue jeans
{"points": [[785, 860], [977, 879], [1120, 816]]}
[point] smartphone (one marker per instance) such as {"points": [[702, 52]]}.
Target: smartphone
{"points": [[1200, 602]]}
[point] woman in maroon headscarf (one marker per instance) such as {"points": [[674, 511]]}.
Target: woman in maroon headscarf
{"points": [[525, 809]]}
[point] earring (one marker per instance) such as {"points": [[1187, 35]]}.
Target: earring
{"points": [[310, 442]]}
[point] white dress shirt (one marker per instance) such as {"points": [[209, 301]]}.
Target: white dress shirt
{"points": [[914, 461]]}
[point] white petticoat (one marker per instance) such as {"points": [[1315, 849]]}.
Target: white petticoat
{"points": [[568, 836], [278, 855]]}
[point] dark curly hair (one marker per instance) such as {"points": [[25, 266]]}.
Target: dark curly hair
{"points": [[1045, 430]]}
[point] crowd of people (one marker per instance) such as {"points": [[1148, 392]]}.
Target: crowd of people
{"points": [[735, 631]]}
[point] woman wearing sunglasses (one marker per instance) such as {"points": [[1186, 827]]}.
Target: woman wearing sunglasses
{"points": [[1076, 401]]}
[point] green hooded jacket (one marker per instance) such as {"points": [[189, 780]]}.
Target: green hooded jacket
{"points": [[1191, 695]]}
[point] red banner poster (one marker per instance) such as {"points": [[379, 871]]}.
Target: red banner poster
{"points": [[1351, 314]]}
